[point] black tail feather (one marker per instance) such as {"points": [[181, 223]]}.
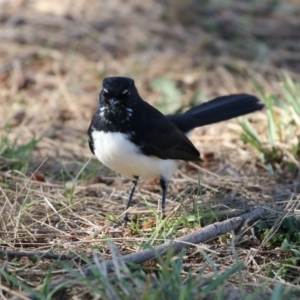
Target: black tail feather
{"points": [[217, 110]]}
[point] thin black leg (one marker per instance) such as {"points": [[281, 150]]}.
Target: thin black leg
{"points": [[164, 185], [130, 197]]}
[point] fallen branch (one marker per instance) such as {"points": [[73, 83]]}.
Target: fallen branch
{"points": [[11, 253], [207, 233]]}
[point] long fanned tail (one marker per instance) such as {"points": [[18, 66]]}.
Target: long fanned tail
{"points": [[217, 110]]}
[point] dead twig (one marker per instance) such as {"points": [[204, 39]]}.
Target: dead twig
{"points": [[11, 253]]}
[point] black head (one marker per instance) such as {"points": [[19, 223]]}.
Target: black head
{"points": [[117, 98], [117, 86]]}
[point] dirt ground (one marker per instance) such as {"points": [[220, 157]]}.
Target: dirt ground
{"points": [[53, 57]]}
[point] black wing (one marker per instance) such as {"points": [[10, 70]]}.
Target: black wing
{"points": [[159, 137], [90, 139]]}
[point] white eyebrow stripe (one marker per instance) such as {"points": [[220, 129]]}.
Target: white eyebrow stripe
{"points": [[124, 92], [105, 90]]}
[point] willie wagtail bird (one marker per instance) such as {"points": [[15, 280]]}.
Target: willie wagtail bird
{"points": [[133, 138]]}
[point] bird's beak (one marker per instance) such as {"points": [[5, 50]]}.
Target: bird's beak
{"points": [[114, 101]]}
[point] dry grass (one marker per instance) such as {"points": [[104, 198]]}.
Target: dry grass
{"points": [[52, 60]]}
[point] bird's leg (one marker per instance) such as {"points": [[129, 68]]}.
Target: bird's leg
{"points": [[125, 218], [164, 185]]}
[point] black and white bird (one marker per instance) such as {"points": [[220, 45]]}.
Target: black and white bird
{"points": [[133, 138]]}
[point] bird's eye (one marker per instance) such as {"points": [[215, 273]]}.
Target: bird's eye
{"points": [[126, 93], [105, 93]]}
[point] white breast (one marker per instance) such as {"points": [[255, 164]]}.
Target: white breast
{"points": [[118, 153]]}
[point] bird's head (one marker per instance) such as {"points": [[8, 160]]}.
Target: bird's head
{"points": [[117, 99]]}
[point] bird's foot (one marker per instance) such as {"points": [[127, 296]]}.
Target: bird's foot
{"points": [[125, 220]]}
